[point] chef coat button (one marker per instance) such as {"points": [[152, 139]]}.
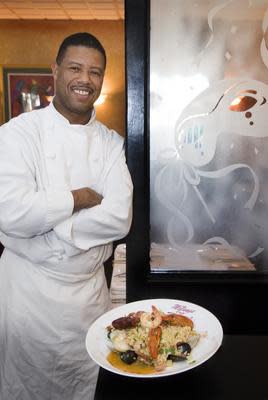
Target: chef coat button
{"points": [[60, 257], [51, 156], [94, 256]]}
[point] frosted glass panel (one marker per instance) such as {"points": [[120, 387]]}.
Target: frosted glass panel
{"points": [[209, 135]]}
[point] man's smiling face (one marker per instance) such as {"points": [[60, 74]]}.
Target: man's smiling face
{"points": [[78, 82]]}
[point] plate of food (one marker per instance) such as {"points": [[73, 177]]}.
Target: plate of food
{"points": [[154, 338]]}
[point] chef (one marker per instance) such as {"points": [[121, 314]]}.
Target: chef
{"points": [[65, 196]]}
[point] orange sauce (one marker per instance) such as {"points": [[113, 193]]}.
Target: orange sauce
{"points": [[135, 368]]}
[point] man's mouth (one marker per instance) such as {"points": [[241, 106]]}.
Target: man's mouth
{"points": [[81, 92]]}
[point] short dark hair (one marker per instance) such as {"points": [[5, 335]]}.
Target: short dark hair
{"points": [[80, 39]]}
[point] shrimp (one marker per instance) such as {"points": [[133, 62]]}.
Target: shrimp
{"points": [[154, 341], [151, 320]]}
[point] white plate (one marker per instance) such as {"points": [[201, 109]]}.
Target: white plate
{"points": [[204, 322]]}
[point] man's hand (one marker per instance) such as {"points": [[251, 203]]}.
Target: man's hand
{"points": [[85, 198]]}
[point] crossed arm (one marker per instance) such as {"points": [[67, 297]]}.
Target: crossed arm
{"points": [[81, 218], [85, 198]]}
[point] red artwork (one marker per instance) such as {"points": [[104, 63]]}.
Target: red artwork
{"points": [[27, 91]]}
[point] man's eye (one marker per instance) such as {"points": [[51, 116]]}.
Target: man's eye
{"points": [[75, 69], [96, 73]]}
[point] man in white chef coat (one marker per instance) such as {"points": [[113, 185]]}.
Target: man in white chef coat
{"points": [[65, 196]]}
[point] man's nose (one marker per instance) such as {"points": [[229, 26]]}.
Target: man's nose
{"points": [[84, 76]]}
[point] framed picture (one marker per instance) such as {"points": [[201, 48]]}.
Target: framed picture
{"points": [[26, 89]]}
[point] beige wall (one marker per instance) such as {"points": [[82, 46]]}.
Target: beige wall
{"points": [[35, 43]]}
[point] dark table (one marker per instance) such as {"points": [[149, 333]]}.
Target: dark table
{"points": [[238, 371]]}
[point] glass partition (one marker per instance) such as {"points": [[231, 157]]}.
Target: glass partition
{"points": [[208, 124]]}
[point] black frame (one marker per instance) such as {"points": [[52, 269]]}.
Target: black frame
{"points": [[238, 298]]}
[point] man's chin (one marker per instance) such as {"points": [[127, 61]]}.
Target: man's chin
{"points": [[81, 109]]}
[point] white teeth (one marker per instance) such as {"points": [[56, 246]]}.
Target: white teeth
{"points": [[82, 92]]}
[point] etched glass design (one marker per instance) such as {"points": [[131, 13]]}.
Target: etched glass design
{"points": [[209, 135]]}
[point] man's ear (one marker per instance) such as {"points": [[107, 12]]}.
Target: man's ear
{"points": [[54, 68]]}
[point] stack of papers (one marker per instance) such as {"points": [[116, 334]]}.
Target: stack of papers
{"points": [[118, 282]]}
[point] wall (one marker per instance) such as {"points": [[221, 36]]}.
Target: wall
{"points": [[35, 43]]}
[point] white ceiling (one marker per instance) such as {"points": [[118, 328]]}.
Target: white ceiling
{"points": [[62, 9]]}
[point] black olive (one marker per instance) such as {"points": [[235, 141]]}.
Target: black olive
{"points": [[109, 331], [128, 356], [184, 348], [175, 358]]}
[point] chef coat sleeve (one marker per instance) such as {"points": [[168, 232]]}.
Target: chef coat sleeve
{"points": [[27, 208], [107, 221]]}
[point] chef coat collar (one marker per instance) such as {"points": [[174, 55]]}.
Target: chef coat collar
{"points": [[58, 116]]}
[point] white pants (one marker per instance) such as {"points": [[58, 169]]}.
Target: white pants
{"points": [[43, 326]]}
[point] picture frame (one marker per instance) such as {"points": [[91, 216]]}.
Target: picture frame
{"points": [[26, 89]]}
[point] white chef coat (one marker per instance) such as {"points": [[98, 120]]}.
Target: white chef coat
{"points": [[52, 284]]}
